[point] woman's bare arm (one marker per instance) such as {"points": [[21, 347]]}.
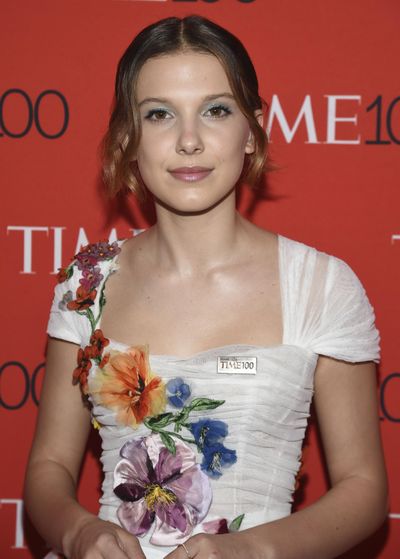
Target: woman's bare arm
{"points": [[60, 439], [357, 503], [50, 487]]}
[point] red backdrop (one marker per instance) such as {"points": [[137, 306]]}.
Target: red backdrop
{"points": [[330, 73]]}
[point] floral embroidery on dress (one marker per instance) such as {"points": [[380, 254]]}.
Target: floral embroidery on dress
{"points": [[86, 261], [93, 351], [220, 526], [157, 479], [179, 392], [207, 434], [124, 383], [157, 486]]}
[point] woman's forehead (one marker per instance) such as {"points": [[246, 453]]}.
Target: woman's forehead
{"points": [[190, 74]]}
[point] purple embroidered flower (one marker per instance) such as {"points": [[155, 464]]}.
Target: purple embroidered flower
{"points": [[208, 431], [219, 526], [91, 278], [158, 486], [66, 298], [93, 253], [217, 457], [180, 392], [85, 260], [104, 250]]}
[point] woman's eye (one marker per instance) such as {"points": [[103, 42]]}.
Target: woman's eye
{"points": [[157, 115], [218, 111]]}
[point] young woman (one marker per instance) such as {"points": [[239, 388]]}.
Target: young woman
{"points": [[202, 340]]}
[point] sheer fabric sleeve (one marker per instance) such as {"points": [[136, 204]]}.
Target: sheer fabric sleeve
{"points": [[63, 323], [326, 306]]}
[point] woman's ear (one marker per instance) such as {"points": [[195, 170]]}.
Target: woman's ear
{"points": [[250, 144], [260, 117]]}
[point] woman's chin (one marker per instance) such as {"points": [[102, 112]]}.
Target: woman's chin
{"points": [[193, 204]]}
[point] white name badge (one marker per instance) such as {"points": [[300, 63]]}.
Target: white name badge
{"points": [[237, 365]]}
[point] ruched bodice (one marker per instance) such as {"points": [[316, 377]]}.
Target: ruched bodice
{"points": [[263, 416]]}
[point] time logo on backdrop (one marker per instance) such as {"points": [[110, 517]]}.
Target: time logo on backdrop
{"points": [[20, 113], [380, 113], [48, 114]]}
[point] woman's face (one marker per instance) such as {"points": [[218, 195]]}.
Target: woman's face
{"points": [[194, 137]]}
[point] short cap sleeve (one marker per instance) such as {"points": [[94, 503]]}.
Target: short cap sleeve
{"points": [[79, 296], [347, 328], [63, 323], [325, 306]]}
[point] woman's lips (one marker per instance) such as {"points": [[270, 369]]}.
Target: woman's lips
{"points": [[190, 174]]}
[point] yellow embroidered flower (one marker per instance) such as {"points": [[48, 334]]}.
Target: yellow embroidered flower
{"points": [[126, 385], [96, 424]]}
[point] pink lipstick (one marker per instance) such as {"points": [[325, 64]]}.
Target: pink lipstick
{"points": [[190, 174]]}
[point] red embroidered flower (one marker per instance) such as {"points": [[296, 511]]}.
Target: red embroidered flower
{"points": [[92, 351], [81, 372], [84, 299], [64, 274], [98, 342]]}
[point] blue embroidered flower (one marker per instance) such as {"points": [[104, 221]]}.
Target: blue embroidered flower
{"points": [[208, 432], [217, 457], [67, 297], [179, 390]]}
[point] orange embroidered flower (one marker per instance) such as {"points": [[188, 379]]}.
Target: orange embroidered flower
{"points": [[127, 385], [84, 299]]}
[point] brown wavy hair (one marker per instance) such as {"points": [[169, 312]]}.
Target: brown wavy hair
{"points": [[168, 36]]}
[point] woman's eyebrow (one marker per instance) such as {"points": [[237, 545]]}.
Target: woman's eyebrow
{"points": [[152, 100], [217, 95], [167, 101]]}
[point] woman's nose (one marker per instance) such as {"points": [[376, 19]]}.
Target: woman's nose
{"points": [[189, 139]]}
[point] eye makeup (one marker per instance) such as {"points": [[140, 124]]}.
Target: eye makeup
{"points": [[152, 114], [219, 107]]}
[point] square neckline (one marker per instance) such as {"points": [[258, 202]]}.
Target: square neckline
{"points": [[114, 266]]}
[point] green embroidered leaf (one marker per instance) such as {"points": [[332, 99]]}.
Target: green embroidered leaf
{"points": [[102, 300], [91, 318], [200, 404], [235, 524], [69, 271], [181, 417], [169, 442], [159, 421]]}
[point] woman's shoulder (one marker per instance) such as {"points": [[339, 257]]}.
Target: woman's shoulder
{"points": [[300, 248], [86, 267], [299, 254], [327, 308], [79, 290]]}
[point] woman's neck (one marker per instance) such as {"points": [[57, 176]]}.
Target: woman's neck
{"points": [[197, 243]]}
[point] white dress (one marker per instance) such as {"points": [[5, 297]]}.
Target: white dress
{"points": [[264, 414]]}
